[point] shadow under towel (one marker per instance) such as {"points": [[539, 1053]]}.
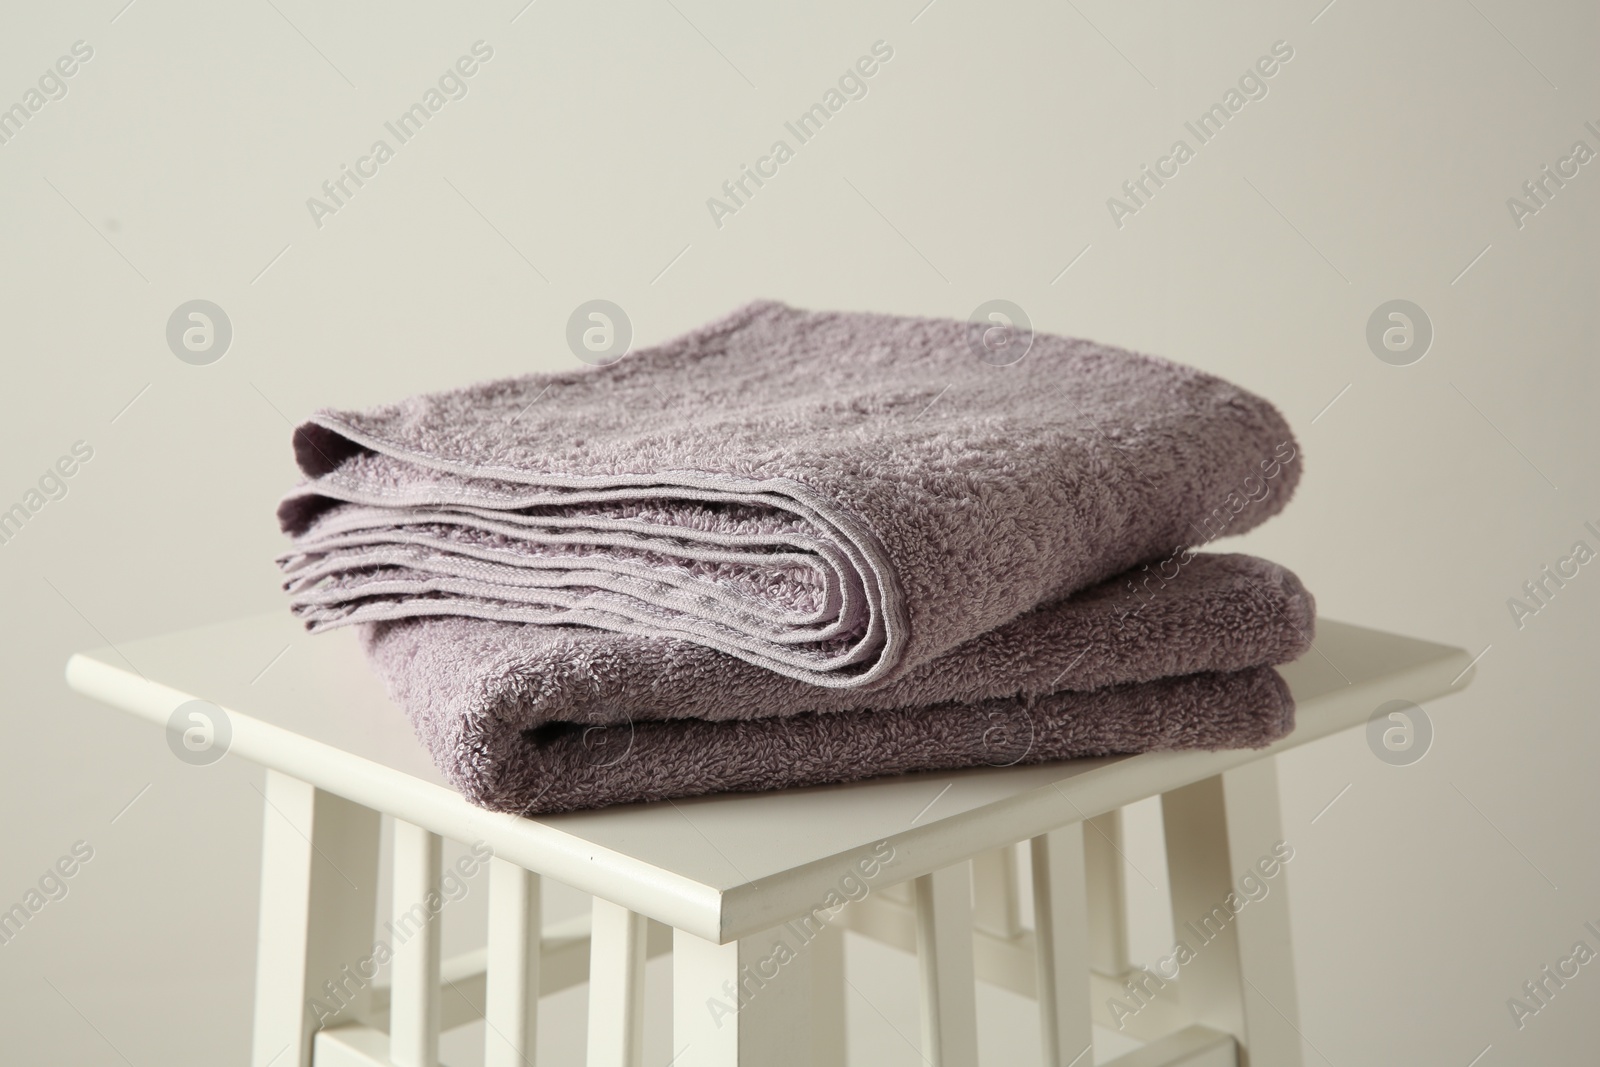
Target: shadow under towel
{"points": [[838, 498]]}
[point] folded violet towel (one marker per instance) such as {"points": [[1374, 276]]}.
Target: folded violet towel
{"points": [[838, 498], [539, 719]]}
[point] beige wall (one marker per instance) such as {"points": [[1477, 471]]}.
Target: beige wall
{"points": [[978, 165]]}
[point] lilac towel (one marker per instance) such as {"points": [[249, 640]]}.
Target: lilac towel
{"points": [[539, 719], [839, 498]]}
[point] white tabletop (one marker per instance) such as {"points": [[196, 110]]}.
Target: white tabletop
{"points": [[724, 866]]}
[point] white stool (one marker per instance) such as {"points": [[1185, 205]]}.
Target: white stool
{"points": [[738, 887]]}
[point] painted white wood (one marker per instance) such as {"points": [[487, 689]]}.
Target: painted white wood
{"points": [[1106, 868], [1147, 904], [1130, 909], [321, 716], [1242, 978], [1010, 964], [1061, 947], [511, 996], [1195, 1046], [414, 930], [319, 878], [996, 900], [616, 986], [828, 1036], [1266, 952], [563, 963], [352, 1046], [944, 965], [745, 1003], [1201, 872]]}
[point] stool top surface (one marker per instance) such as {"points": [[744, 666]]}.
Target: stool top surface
{"points": [[721, 866]]}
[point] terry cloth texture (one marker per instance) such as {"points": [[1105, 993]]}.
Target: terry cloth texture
{"points": [[839, 498], [539, 719]]}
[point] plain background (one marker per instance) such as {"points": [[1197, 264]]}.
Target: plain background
{"points": [[978, 166]]}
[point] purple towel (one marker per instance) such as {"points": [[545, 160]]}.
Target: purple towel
{"points": [[839, 498], [538, 719]]}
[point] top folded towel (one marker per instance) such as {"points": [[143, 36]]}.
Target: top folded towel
{"points": [[836, 496]]}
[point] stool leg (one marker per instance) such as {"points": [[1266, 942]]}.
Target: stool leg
{"points": [[1061, 937], [944, 958], [414, 995], [511, 997], [1241, 977], [616, 986], [743, 1004], [319, 878], [1266, 954]]}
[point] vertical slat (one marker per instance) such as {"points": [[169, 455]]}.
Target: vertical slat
{"points": [[1061, 934], [996, 902], [827, 996], [616, 986], [414, 993], [743, 1004], [1106, 882], [1266, 958], [511, 997], [319, 877], [944, 959]]}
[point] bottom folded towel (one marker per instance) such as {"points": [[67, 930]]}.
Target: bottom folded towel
{"points": [[593, 766], [540, 719]]}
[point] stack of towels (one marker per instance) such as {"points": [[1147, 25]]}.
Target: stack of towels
{"points": [[792, 548]]}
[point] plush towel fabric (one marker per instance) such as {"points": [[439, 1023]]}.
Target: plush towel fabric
{"points": [[839, 498], [539, 719]]}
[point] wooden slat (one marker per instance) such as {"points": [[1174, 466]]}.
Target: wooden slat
{"points": [[826, 950], [511, 995], [1106, 880], [616, 986], [1060, 919], [563, 963], [996, 902], [1194, 1046], [414, 994], [944, 960]]}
